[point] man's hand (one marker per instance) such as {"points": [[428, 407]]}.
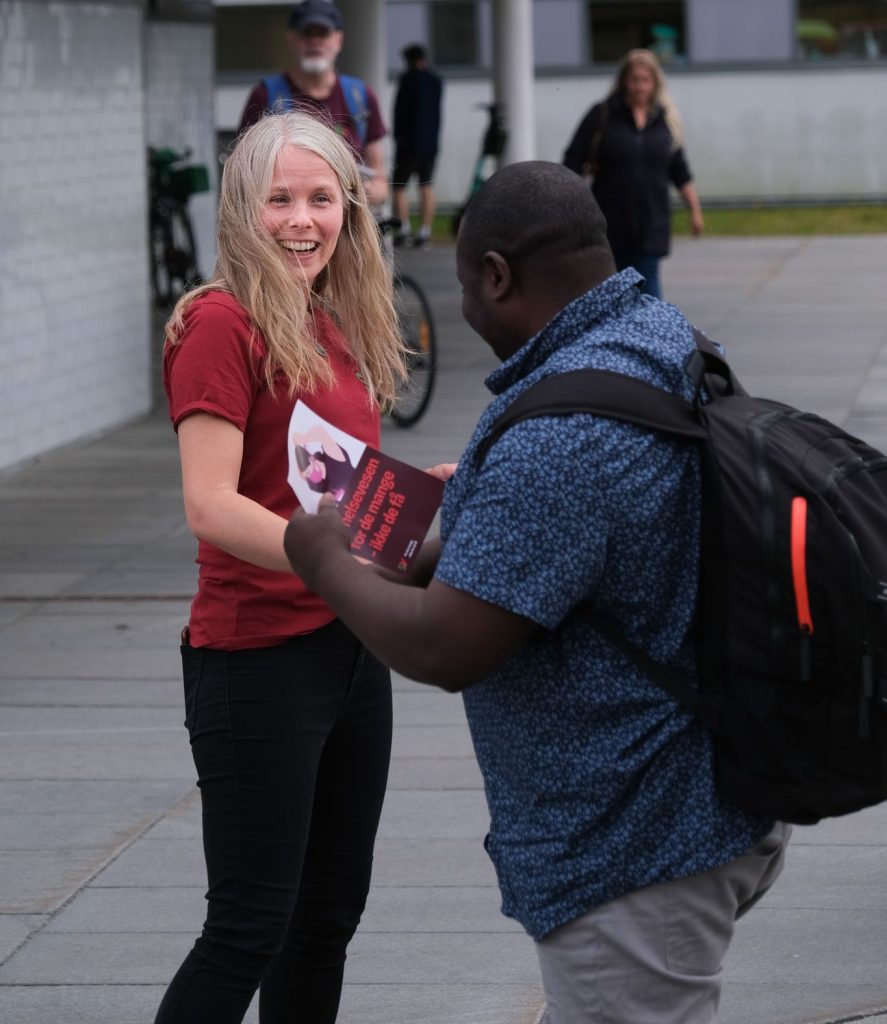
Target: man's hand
{"points": [[311, 542], [443, 470]]}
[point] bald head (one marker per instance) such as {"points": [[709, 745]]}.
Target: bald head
{"points": [[541, 217]]}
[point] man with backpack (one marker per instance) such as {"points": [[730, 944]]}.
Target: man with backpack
{"points": [[314, 37], [614, 847]]}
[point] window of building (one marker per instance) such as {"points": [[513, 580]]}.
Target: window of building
{"points": [[454, 34], [848, 30], [251, 39], [617, 26]]}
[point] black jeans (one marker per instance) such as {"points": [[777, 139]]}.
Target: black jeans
{"points": [[291, 745]]}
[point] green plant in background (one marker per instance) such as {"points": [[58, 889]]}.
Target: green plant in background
{"points": [[839, 219], [836, 219]]}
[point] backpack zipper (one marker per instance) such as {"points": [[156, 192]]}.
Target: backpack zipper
{"points": [[799, 580]]}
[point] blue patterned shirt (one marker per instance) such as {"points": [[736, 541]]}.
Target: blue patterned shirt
{"points": [[598, 782]]}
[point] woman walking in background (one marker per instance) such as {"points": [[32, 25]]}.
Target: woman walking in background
{"points": [[631, 146], [289, 717]]}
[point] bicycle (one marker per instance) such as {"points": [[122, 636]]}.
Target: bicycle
{"points": [[173, 250], [416, 329], [492, 146]]}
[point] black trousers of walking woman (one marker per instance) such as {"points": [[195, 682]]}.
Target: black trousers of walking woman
{"points": [[291, 745]]}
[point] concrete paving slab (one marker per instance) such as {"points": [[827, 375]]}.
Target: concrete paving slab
{"points": [[129, 756], [53, 958], [95, 693], [441, 773], [16, 929], [157, 862], [132, 911], [432, 741], [91, 796], [398, 862], [489, 1003], [35, 584], [40, 881], [51, 663], [765, 1003], [394, 910], [119, 629], [823, 877], [441, 958], [80, 1004], [12, 610], [425, 814], [789, 945]]}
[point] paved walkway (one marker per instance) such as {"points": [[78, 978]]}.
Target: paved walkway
{"points": [[100, 865]]}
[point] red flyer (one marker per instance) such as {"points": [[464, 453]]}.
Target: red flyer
{"points": [[386, 504]]}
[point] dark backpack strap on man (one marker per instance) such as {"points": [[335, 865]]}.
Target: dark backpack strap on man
{"points": [[617, 396], [602, 393], [792, 623]]}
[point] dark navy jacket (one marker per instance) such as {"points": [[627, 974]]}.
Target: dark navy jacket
{"points": [[634, 169], [417, 111]]}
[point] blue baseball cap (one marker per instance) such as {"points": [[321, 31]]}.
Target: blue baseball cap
{"points": [[316, 12]]}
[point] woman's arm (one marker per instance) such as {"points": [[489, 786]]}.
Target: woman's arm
{"points": [[577, 152], [377, 186], [211, 451], [691, 199]]}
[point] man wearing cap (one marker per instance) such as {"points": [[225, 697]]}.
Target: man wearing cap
{"points": [[314, 36]]}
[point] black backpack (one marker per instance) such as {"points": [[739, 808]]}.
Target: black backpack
{"points": [[793, 591]]}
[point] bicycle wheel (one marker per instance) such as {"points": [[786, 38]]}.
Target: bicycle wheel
{"points": [[173, 254], [416, 329]]}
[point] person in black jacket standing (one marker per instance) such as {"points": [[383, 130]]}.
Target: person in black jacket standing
{"points": [[631, 146], [416, 131]]}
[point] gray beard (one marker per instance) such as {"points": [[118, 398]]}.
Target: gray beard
{"points": [[315, 65]]}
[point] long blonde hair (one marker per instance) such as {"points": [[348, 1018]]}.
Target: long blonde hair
{"points": [[355, 286], [661, 96]]}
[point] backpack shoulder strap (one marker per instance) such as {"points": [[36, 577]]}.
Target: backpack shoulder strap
{"points": [[604, 393], [357, 101], [280, 99], [624, 398]]}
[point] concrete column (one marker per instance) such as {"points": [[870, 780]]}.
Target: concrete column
{"points": [[513, 76], [363, 53]]}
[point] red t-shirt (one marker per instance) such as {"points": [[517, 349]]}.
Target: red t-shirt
{"points": [[216, 368]]}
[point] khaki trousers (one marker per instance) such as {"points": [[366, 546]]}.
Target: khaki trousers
{"points": [[654, 956]]}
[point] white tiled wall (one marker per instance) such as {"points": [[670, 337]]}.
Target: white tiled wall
{"points": [[73, 269], [179, 78], [75, 345]]}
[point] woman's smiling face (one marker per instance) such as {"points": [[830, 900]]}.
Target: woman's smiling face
{"points": [[304, 211]]}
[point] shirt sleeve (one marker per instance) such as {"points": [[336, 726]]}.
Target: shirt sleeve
{"points": [[578, 150], [678, 169], [256, 103], [531, 534], [214, 368]]}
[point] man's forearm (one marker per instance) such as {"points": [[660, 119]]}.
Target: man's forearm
{"points": [[387, 616]]}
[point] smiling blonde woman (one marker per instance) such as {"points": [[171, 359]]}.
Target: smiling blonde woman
{"points": [[288, 716]]}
